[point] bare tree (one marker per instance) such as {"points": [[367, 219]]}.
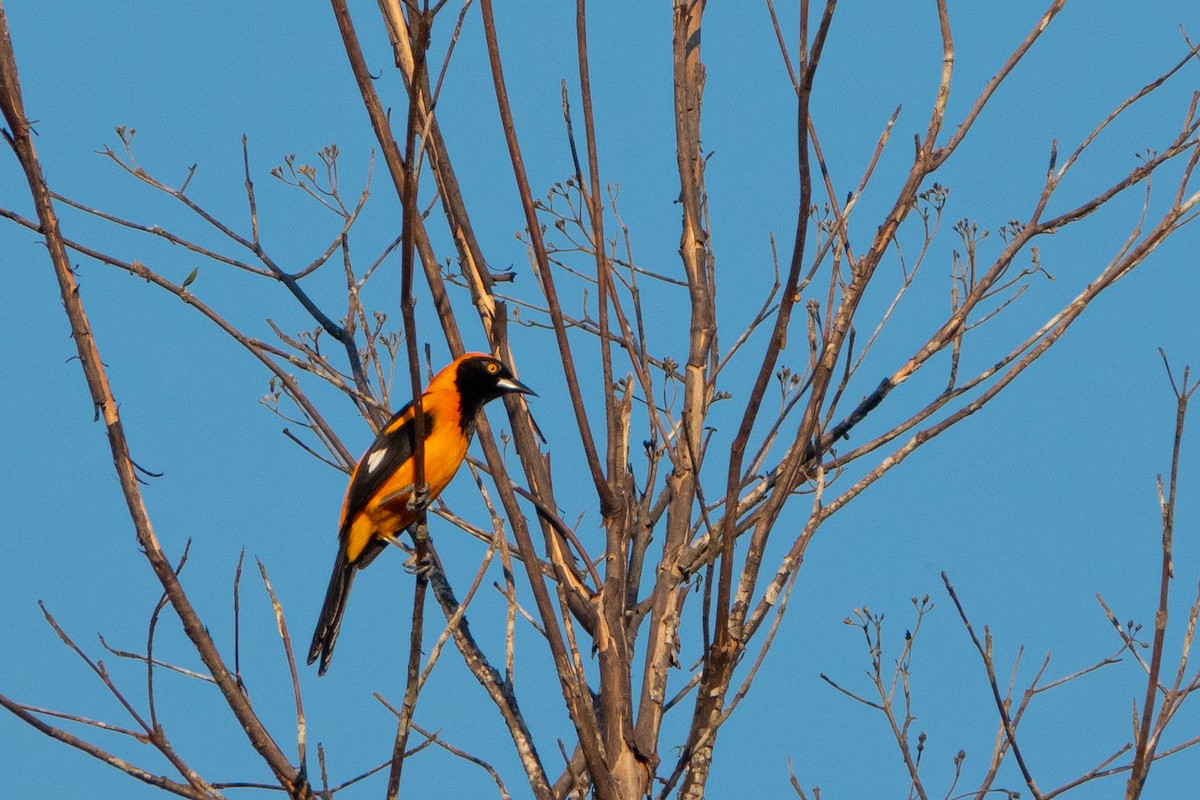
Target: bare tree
{"points": [[678, 539]]}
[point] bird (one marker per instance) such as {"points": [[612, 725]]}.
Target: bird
{"points": [[379, 499]]}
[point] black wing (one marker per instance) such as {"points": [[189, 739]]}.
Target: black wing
{"points": [[392, 447]]}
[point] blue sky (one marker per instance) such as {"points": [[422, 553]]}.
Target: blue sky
{"points": [[1033, 506]]}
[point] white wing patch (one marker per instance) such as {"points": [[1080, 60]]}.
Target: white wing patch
{"points": [[374, 458]]}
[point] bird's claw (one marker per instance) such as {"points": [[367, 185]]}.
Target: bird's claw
{"points": [[420, 566], [419, 499]]}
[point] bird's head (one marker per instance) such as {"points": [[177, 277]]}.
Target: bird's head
{"points": [[481, 378]]}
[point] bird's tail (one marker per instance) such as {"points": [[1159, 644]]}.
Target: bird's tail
{"points": [[330, 621]]}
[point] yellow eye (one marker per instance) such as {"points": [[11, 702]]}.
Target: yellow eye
{"points": [[493, 368]]}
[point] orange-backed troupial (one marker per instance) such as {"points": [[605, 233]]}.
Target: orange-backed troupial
{"points": [[377, 504]]}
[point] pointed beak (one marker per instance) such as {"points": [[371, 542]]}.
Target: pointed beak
{"points": [[514, 385]]}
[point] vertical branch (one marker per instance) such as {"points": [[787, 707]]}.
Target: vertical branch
{"points": [[694, 237], [689, 78], [809, 61], [607, 501], [693, 243], [408, 304], [630, 767], [19, 138], [604, 282], [1146, 741], [721, 657]]}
